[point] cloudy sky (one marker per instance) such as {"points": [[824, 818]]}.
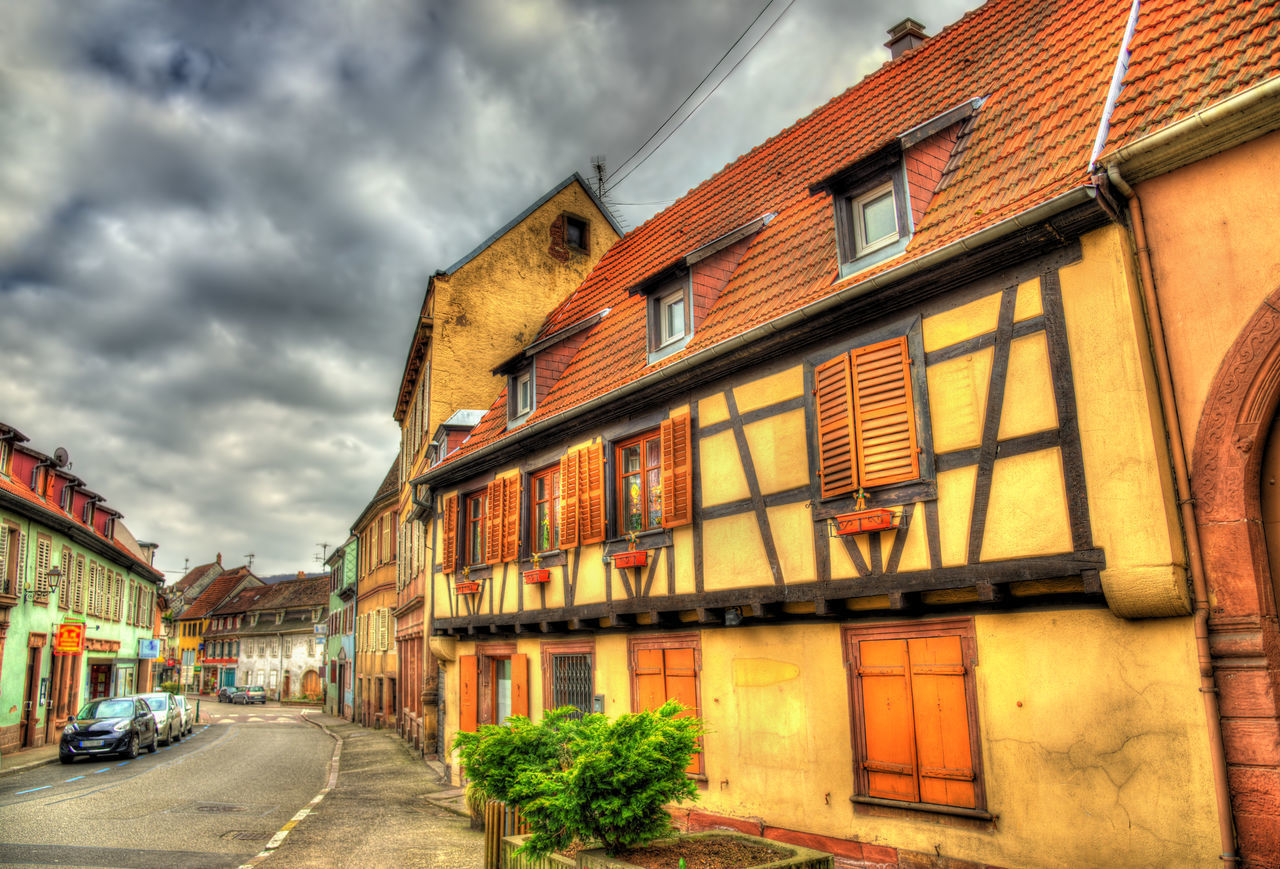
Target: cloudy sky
{"points": [[217, 216]]}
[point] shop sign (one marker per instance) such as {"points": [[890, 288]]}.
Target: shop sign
{"points": [[196, 668], [148, 648], [69, 639]]}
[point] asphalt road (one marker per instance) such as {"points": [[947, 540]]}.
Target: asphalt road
{"points": [[213, 799]]}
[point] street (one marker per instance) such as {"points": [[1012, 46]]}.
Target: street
{"points": [[213, 799]]}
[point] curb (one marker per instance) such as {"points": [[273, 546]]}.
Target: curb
{"points": [[278, 839], [31, 764]]}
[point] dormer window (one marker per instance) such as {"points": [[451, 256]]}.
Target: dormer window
{"points": [[875, 220], [669, 322], [522, 394]]}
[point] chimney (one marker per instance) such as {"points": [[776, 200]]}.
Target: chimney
{"points": [[301, 575], [904, 36], [219, 559]]}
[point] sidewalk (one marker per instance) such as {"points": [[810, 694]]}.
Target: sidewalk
{"points": [[16, 761], [388, 808]]}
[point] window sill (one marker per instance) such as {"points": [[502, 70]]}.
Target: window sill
{"points": [[654, 538], [954, 811], [880, 254], [668, 349]]}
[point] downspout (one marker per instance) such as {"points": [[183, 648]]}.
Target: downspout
{"points": [[1195, 557]]}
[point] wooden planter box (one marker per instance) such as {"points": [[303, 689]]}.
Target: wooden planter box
{"points": [[533, 577], [631, 559], [467, 588], [866, 521], [800, 858]]}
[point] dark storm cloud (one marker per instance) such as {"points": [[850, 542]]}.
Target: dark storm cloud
{"points": [[217, 218]]}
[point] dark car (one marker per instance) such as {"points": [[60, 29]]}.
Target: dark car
{"points": [[110, 725], [167, 714], [251, 694], [225, 692]]}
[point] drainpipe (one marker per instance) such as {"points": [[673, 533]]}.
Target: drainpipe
{"points": [[1164, 377]]}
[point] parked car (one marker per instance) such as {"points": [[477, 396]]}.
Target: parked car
{"points": [[186, 714], [168, 719], [109, 725], [251, 694], [225, 692]]}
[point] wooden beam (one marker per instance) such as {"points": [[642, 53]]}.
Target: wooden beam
{"points": [[989, 591]]}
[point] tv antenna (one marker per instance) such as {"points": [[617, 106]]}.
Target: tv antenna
{"points": [[250, 557], [324, 552]]}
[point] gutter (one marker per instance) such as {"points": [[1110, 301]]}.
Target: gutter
{"points": [[1055, 206]]}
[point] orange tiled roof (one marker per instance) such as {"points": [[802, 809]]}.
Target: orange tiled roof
{"points": [[215, 594], [31, 498], [1043, 67]]}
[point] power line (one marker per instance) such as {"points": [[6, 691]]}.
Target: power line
{"points": [[723, 79]]}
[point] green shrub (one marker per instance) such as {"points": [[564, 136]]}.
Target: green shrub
{"points": [[171, 687], [495, 755]]}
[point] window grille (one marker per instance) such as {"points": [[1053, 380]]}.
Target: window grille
{"points": [[571, 682]]}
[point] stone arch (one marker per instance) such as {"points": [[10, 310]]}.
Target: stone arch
{"points": [[1231, 438]]}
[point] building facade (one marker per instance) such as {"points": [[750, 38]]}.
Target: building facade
{"points": [[66, 563], [195, 621], [282, 638], [340, 634], [858, 451], [474, 315], [377, 532]]}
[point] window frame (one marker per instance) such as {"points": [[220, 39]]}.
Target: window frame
{"points": [[567, 648], [662, 296], [474, 528], [550, 474], [963, 630], [666, 336], [640, 439], [854, 253], [861, 244]]}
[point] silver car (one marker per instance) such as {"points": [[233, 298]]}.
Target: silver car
{"points": [[168, 719], [187, 714]]}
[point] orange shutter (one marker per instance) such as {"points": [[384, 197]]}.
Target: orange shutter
{"points": [[569, 500], [520, 685], [449, 546], [890, 759], [677, 472], [945, 759], [884, 414], [510, 517], [493, 522], [468, 678], [682, 687], [651, 689], [835, 427], [591, 493]]}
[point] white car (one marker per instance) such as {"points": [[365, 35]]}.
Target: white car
{"points": [[187, 714], [168, 720]]}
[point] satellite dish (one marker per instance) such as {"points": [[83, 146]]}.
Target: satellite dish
{"points": [[60, 457]]}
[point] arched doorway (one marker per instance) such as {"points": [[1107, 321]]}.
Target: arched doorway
{"points": [[1236, 457], [311, 684]]}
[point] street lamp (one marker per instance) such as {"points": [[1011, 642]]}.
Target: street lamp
{"points": [[29, 590]]}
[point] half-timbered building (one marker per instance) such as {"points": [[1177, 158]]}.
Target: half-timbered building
{"points": [[856, 451]]}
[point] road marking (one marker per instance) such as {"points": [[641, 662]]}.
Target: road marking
{"points": [[29, 790], [100, 771], [77, 778]]}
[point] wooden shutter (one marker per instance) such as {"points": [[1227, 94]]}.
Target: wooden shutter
{"points": [[511, 517], [889, 760], [493, 522], [884, 415], [44, 557], [677, 471], [591, 494], [569, 499], [468, 673], [833, 393], [650, 680], [520, 685], [943, 747], [449, 546]]}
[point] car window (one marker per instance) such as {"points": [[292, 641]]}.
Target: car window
{"points": [[142, 709], [106, 709], [157, 702]]}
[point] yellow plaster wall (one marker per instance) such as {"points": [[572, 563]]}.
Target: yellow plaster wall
{"points": [[733, 554], [1027, 511], [958, 400], [961, 323], [1131, 501], [769, 390], [720, 469], [1029, 404], [779, 450], [1029, 302]]}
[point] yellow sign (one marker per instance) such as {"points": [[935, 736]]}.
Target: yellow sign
{"points": [[69, 639]]}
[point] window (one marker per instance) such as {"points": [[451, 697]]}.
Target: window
{"points": [[866, 419], [11, 556], [875, 220], [494, 685], [521, 394], [575, 232], [639, 478], [568, 675], [671, 318], [474, 542], [544, 510], [666, 668], [914, 713]]}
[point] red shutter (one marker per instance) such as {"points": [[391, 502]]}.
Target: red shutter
{"points": [[677, 471], [890, 759], [493, 522], [884, 414], [511, 517], [943, 749], [591, 493], [835, 427], [468, 680], [569, 500], [520, 685], [449, 546]]}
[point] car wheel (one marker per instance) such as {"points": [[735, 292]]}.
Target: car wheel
{"points": [[132, 750], [155, 739], [66, 758], [178, 737], [167, 740]]}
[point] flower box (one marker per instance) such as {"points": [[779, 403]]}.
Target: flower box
{"points": [[533, 577], [467, 588], [866, 521], [637, 558]]}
